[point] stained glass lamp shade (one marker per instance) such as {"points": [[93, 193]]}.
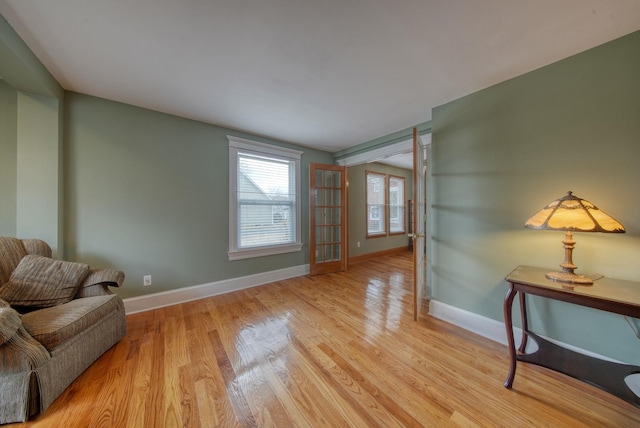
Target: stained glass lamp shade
{"points": [[572, 214]]}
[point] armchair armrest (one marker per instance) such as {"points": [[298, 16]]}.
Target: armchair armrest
{"points": [[21, 352], [10, 322], [18, 350], [96, 283]]}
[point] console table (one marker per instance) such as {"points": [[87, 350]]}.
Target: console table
{"points": [[606, 294]]}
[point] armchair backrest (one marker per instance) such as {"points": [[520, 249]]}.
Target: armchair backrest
{"points": [[12, 250], [37, 247]]}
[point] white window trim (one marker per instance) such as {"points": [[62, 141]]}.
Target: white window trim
{"points": [[236, 253]]}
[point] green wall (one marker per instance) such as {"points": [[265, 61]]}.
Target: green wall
{"points": [[501, 154], [39, 169], [119, 186], [21, 68], [148, 193], [31, 109], [358, 209], [8, 153]]}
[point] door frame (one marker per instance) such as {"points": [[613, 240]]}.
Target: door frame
{"points": [[419, 234]]}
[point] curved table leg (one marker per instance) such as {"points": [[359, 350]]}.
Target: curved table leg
{"points": [[508, 322], [525, 325]]}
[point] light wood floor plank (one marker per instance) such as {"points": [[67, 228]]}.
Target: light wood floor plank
{"points": [[335, 350]]}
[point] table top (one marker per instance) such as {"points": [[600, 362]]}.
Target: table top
{"points": [[603, 288]]}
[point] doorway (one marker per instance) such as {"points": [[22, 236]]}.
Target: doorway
{"points": [[398, 155]]}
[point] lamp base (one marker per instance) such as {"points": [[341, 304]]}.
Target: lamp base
{"points": [[569, 277]]}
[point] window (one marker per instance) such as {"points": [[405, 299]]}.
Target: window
{"points": [[264, 199], [376, 195], [380, 188]]}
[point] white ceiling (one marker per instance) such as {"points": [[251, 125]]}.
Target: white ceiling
{"points": [[321, 73], [401, 160]]}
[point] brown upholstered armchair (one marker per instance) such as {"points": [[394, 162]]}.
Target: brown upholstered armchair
{"points": [[56, 319]]}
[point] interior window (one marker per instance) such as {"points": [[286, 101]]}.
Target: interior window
{"points": [[264, 196]]}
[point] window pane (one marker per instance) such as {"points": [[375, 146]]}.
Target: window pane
{"points": [[375, 220], [266, 200], [396, 205], [319, 216], [327, 179], [336, 234], [336, 179], [327, 197], [327, 253], [327, 233], [376, 192], [326, 213]]}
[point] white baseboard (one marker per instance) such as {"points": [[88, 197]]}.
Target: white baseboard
{"points": [[162, 299], [494, 330], [486, 327]]}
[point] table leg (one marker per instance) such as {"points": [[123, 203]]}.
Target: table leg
{"points": [[508, 322], [525, 324]]}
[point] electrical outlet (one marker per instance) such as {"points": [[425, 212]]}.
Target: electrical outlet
{"points": [[146, 280], [358, 244]]}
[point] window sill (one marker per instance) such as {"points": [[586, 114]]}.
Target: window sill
{"points": [[264, 251], [377, 235]]}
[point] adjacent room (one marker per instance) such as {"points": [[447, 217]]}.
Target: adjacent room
{"points": [[276, 213]]}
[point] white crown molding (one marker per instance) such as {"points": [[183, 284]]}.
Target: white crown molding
{"points": [[405, 146]]}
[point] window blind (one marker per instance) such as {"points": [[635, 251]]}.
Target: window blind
{"points": [[266, 198]]}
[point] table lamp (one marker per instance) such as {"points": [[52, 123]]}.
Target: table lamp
{"points": [[572, 214]]}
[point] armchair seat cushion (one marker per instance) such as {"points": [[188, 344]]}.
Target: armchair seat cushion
{"points": [[41, 282], [53, 326]]}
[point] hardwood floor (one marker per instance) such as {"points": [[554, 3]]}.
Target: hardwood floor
{"points": [[337, 350]]}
